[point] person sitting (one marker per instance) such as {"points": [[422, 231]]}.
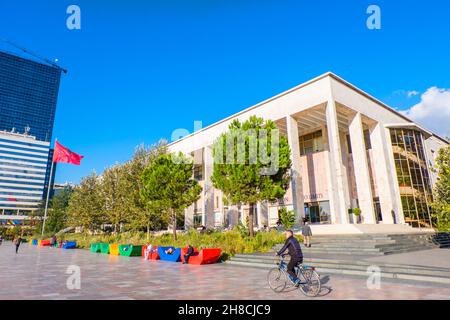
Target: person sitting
{"points": [[148, 251], [169, 251], [189, 252]]}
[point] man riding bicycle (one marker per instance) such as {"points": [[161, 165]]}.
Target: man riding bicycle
{"points": [[294, 250]]}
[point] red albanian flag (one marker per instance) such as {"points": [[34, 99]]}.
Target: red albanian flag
{"points": [[62, 154]]}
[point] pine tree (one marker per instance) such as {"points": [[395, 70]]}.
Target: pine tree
{"points": [[248, 178], [169, 187]]}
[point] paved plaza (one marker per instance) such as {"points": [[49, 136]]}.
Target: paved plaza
{"points": [[40, 273]]}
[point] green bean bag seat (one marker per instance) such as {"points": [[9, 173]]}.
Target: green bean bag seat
{"points": [[95, 247], [129, 250], [104, 248]]}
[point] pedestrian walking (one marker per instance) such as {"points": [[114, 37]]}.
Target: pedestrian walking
{"points": [[307, 234], [17, 241]]}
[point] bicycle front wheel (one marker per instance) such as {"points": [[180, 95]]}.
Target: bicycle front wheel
{"points": [[277, 280], [310, 285]]}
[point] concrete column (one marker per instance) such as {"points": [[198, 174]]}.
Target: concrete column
{"points": [[361, 167], [264, 214], [296, 169], [208, 189], [338, 182], [385, 174], [189, 217], [259, 215]]}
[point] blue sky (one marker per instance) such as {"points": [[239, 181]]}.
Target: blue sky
{"points": [[140, 69]]}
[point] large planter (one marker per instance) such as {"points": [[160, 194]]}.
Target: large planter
{"points": [[152, 256], [114, 249], [205, 256], [104, 248], [95, 247], [44, 243], [69, 245], [129, 250], [174, 257]]}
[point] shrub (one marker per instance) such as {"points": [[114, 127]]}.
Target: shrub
{"points": [[287, 218]]}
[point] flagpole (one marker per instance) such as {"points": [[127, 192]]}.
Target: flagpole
{"points": [[48, 193]]}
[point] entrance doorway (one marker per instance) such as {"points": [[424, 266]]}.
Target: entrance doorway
{"points": [[377, 209], [312, 212]]}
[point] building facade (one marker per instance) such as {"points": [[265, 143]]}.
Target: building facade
{"points": [[28, 97], [348, 150], [23, 168]]}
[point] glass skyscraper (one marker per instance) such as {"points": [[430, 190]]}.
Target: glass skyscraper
{"points": [[28, 95]]}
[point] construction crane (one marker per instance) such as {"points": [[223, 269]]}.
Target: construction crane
{"points": [[38, 56]]}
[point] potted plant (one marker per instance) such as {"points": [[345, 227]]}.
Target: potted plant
{"points": [[357, 213]]}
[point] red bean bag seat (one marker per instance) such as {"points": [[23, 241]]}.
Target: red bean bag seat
{"points": [[152, 256], [45, 243], [205, 256], [184, 251]]}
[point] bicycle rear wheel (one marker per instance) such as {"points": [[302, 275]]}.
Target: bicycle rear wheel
{"points": [[277, 280], [310, 285]]}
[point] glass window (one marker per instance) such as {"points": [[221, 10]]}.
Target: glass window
{"points": [[413, 176], [197, 220], [310, 143], [198, 172]]}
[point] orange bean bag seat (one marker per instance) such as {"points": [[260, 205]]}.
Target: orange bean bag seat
{"points": [[152, 256], [205, 256], [114, 249]]}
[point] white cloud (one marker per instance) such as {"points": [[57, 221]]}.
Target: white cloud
{"points": [[433, 111], [412, 93]]}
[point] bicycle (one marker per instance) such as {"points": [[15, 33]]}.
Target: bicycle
{"points": [[278, 278]]}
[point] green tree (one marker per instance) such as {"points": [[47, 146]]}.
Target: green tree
{"points": [[57, 211], [114, 191], [242, 170], [142, 215], [441, 204], [86, 205], [169, 187]]}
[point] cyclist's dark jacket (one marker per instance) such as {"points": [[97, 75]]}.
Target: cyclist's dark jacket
{"points": [[293, 247]]}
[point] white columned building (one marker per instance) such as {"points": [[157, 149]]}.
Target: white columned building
{"points": [[348, 150]]}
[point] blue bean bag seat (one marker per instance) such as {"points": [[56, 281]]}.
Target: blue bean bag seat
{"points": [[35, 242], [69, 245], [174, 257]]}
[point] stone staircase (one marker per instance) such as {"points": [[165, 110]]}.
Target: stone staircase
{"points": [[345, 254], [374, 244]]}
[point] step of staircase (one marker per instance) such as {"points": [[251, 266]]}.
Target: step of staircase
{"points": [[355, 268]]}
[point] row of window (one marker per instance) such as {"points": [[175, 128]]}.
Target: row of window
{"points": [[413, 176]]}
